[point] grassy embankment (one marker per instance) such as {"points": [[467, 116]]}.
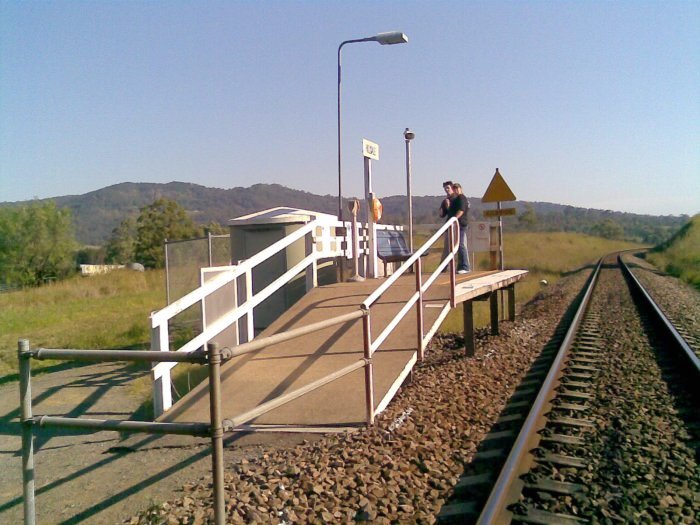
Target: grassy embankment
{"points": [[103, 311], [547, 256], [680, 256], [112, 311]]}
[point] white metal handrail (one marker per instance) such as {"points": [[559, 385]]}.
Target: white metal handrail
{"points": [[416, 300], [159, 320]]}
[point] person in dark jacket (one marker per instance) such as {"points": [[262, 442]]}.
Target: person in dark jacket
{"points": [[445, 211], [459, 209]]}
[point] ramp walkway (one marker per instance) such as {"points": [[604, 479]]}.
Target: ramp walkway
{"points": [[256, 378]]}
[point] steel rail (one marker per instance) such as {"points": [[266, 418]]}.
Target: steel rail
{"points": [[682, 344], [506, 491]]}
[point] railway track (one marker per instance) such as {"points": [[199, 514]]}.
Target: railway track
{"points": [[603, 428]]}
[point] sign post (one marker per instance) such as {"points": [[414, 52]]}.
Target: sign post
{"points": [[370, 151], [497, 192]]}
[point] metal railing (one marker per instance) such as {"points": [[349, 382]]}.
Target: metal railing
{"points": [[160, 336], [212, 357], [449, 229]]}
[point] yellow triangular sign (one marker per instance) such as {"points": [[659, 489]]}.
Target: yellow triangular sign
{"points": [[498, 190]]}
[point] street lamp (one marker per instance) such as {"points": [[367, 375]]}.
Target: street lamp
{"points": [[390, 38], [408, 135]]}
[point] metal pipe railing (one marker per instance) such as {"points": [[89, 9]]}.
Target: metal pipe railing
{"points": [[29, 422], [188, 429], [264, 342]]}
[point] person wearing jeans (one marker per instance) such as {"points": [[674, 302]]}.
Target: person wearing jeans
{"points": [[460, 209]]}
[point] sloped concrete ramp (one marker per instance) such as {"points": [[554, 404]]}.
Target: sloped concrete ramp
{"points": [[255, 378]]}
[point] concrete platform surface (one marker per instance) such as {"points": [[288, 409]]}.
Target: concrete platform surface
{"points": [[255, 378]]}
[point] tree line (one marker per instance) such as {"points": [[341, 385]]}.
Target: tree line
{"points": [[38, 245], [38, 242]]}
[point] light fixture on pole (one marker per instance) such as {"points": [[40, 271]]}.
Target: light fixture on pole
{"points": [[408, 135], [389, 38]]}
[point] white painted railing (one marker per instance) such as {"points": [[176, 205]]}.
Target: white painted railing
{"points": [[321, 243]]}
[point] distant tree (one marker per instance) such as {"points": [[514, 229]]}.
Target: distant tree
{"points": [[121, 245], [528, 218], [608, 229], [214, 228], [163, 219], [90, 255], [37, 243]]}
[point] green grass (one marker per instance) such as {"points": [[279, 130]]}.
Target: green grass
{"points": [[680, 256], [102, 311], [546, 255]]}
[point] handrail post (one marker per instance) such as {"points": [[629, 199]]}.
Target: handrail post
{"points": [[217, 433], [369, 381], [27, 422], [419, 309], [250, 323], [453, 279]]}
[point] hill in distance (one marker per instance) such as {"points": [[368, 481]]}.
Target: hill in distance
{"points": [[98, 212]]}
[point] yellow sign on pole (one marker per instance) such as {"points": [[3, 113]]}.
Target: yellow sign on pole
{"points": [[498, 190], [499, 213]]}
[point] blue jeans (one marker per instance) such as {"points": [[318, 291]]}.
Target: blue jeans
{"points": [[462, 253]]}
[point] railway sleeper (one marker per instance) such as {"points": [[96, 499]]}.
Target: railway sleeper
{"points": [[584, 360], [563, 488], [583, 368], [565, 382], [579, 376], [563, 439], [469, 484], [563, 392], [542, 517], [458, 512], [572, 422], [560, 405], [561, 460]]}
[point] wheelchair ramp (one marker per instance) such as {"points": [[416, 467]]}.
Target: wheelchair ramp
{"points": [[255, 378], [258, 377]]}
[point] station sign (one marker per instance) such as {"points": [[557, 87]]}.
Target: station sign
{"points": [[499, 213], [370, 149]]}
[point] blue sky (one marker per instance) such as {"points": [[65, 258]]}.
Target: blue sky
{"points": [[592, 104]]}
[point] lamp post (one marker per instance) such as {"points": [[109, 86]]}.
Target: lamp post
{"points": [[408, 135], [390, 38]]}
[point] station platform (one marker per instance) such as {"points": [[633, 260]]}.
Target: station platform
{"points": [[252, 379]]}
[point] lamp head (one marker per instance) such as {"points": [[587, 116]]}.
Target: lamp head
{"points": [[409, 135], [392, 37]]}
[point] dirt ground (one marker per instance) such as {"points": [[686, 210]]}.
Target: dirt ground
{"points": [[101, 477]]}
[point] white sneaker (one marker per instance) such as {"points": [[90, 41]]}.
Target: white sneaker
{"points": [[462, 271]]}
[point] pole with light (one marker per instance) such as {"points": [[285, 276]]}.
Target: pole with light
{"points": [[390, 38], [408, 135]]}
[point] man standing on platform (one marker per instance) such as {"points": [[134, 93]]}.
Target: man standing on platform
{"points": [[445, 211], [460, 210]]}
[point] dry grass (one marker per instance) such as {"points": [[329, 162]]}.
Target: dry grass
{"points": [[103, 311]]}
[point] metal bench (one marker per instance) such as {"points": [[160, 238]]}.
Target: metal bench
{"points": [[391, 247]]}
